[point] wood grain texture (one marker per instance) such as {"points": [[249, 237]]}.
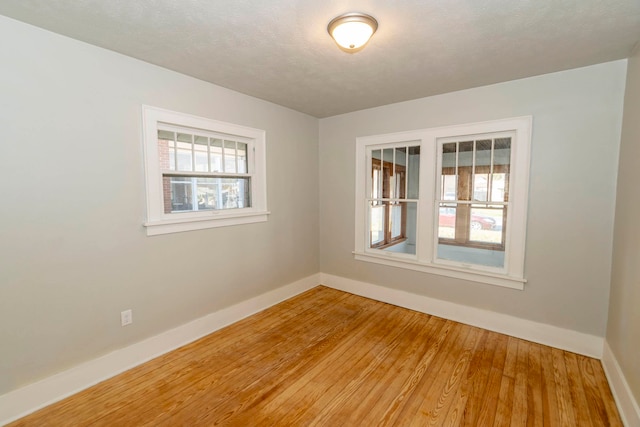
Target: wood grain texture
{"points": [[329, 358]]}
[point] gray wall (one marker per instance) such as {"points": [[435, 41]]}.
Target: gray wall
{"points": [[623, 329], [73, 252], [576, 135]]}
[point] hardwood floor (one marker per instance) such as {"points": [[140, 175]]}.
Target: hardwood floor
{"points": [[329, 358]]}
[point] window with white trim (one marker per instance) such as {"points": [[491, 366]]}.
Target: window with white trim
{"points": [[201, 173], [449, 201]]}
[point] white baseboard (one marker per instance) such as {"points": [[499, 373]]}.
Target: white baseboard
{"points": [[32, 397], [627, 404], [566, 339]]}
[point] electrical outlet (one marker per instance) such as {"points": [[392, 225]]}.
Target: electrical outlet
{"points": [[126, 317]]}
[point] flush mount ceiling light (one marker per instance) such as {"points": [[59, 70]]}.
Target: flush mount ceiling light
{"points": [[352, 30]]}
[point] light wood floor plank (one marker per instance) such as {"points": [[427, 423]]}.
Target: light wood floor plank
{"points": [[535, 408], [596, 405], [490, 399], [471, 381], [328, 358], [466, 407], [410, 384], [563, 389], [550, 410], [578, 397], [435, 377], [519, 411], [447, 394], [613, 417], [505, 402]]}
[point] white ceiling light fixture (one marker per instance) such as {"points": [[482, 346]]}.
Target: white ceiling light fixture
{"points": [[352, 31]]}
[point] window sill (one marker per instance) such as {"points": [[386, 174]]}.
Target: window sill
{"points": [[179, 225], [401, 261]]}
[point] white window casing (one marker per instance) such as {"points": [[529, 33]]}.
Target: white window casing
{"points": [[425, 259], [161, 222]]}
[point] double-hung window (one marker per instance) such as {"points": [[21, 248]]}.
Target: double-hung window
{"points": [[449, 201], [201, 173], [393, 197]]}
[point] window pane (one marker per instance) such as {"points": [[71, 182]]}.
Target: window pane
{"points": [[180, 193], [376, 221], [471, 255], [449, 177], [486, 224], [230, 157], [376, 174], [483, 154], [166, 194], [447, 222], [216, 155], [501, 168], [465, 153], [449, 184], [403, 225], [166, 152], [188, 194], [401, 156], [413, 172], [396, 221], [392, 226], [207, 193], [387, 169], [449, 155], [471, 234], [200, 149], [185, 153], [482, 170], [376, 181], [166, 134], [502, 144], [480, 186], [235, 193], [498, 187], [242, 158], [172, 155], [400, 187]]}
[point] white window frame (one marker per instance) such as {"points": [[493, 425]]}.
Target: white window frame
{"points": [[425, 259], [159, 222]]}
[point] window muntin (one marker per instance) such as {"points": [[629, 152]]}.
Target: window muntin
{"points": [[202, 173], [495, 190]]}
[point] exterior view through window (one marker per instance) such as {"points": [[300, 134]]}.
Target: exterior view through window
{"points": [[202, 173], [473, 200]]}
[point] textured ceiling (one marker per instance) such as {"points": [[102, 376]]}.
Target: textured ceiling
{"points": [[279, 50]]}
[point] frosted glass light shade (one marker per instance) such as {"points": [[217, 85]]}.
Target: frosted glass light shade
{"points": [[352, 30]]}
